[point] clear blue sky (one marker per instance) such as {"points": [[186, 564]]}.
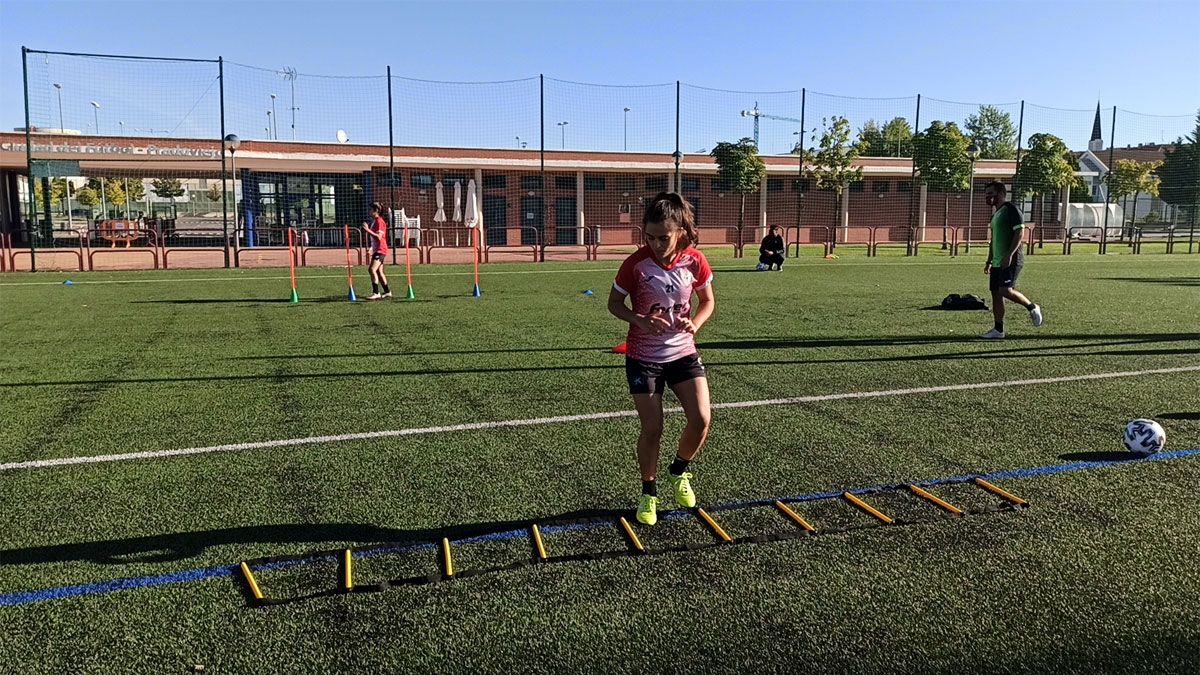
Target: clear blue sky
{"points": [[1138, 56]]}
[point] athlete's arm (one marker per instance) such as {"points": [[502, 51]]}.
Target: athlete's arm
{"points": [[704, 310], [616, 306]]}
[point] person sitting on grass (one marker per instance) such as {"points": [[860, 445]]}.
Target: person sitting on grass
{"points": [[772, 250]]}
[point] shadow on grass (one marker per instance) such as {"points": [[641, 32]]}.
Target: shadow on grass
{"points": [[183, 545], [1042, 346], [1164, 281], [448, 352], [1180, 416], [1096, 456]]}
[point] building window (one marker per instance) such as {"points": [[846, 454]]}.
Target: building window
{"points": [[626, 183], [880, 186], [593, 182], [720, 185], [564, 182], [857, 186], [690, 183], [420, 180], [452, 178], [904, 186], [656, 183], [495, 182], [774, 185], [531, 182], [801, 185]]}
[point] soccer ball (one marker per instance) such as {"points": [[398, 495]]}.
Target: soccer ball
{"points": [[1144, 437], [760, 267]]}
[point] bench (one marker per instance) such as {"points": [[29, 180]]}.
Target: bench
{"points": [[120, 231]]}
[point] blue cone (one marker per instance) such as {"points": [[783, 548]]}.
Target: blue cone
{"points": [[68, 282], [588, 292], [353, 297], [476, 293]]}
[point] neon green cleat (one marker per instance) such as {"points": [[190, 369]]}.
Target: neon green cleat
{"points": [[683, 490], [647, 511]]}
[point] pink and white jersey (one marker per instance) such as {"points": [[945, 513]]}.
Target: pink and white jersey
{"points": [[666, 291]]}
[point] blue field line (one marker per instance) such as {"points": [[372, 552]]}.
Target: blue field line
{"points": [[61, 592]]}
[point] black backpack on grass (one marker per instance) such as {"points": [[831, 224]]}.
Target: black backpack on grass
{"points": [[954, 301]]}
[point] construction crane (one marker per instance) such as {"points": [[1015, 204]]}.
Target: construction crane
{"points": [[757, 114]]}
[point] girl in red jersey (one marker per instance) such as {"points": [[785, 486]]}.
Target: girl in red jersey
{"points": [[660, 279], [378, 231]]}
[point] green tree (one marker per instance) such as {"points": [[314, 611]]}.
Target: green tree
{"points": [[88, 196], [114, 193], [831, 162], [214, 193], [870, 140], [58, 191], [898, 138], [993, 131], [739, 165], [1080, 192], [168, 188], [1047, 166], [100, 187], [940, 156], [135, 189], [1180, 173], [1131, 177]]}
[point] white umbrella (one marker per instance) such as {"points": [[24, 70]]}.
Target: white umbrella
{"points": [[440, 216], [471, 216], [474, 219], [457, 208]]}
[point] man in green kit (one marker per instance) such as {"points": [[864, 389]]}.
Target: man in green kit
{"points": [[1005, 259]]}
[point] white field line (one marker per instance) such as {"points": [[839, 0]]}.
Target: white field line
{"points": [[486, 273], [537, 421]]}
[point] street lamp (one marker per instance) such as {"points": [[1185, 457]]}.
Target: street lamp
{"points": [[96, 111], [972, 152], [627, 129], [122, 123], [288, 73], [563, 128], [269, 118], [274, 125], [60, 117], [518, 142]]}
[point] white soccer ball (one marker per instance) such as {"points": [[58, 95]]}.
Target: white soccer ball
{"points": [[760, 267], [1144, 437]]}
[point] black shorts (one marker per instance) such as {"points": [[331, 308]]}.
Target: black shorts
{"points": [[378, 256], [1004, 277], [651, 378]]}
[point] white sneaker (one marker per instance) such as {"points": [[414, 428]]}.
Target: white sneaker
{"points": [[374, 296], [1035, 315], [993, 334], [387, 295]]}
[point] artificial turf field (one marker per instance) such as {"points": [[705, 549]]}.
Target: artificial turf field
{"points": [[1098, 574]]}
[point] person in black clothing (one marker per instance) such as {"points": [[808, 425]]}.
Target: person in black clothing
{"points": [[771, 251]]}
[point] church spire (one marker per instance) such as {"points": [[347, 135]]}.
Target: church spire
{"points": [[1097, 141]]}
